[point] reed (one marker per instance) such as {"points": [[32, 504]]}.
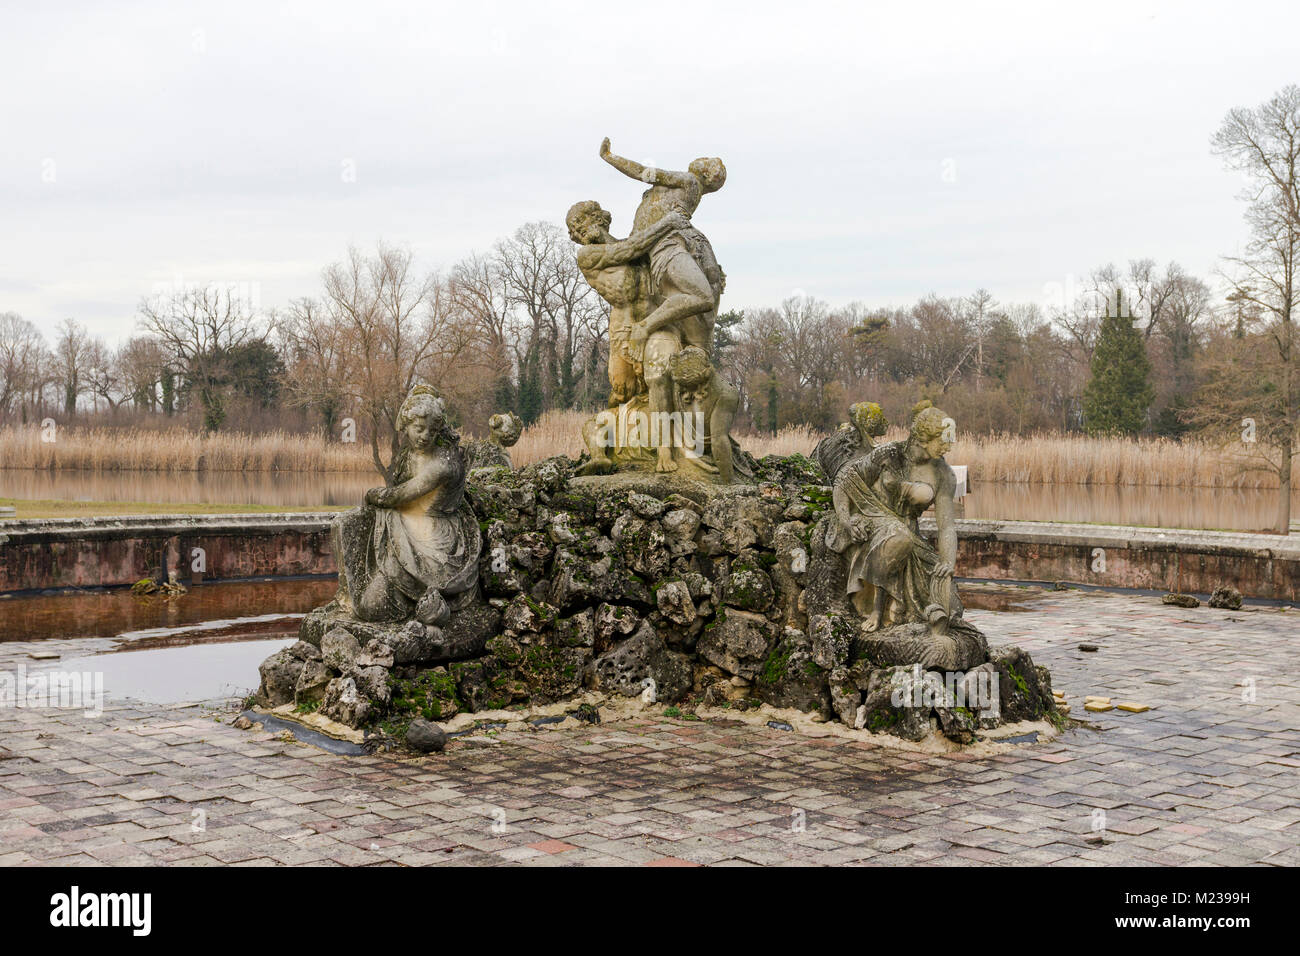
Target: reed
{"points": [[1034, 459], [176, 450]]}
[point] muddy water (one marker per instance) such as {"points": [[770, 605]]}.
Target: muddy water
{"points": [[1139, 505], [209, 613]]}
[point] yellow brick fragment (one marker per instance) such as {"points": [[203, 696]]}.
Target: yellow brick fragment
{"points": [[1098, 708], [1133, 708]]}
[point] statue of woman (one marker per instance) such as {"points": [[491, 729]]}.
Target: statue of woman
{"points": [[423, 550], [894, 575]]}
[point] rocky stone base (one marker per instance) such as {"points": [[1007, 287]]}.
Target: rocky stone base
{"points": [[678, 592]]}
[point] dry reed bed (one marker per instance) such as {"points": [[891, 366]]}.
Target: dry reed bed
{"points": [[1045, 459], [177, 450]]}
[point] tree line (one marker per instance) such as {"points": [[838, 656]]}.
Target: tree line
{"points": [[1138, 348]]}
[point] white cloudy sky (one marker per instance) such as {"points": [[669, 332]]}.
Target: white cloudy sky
{"points": [[148, 142]]}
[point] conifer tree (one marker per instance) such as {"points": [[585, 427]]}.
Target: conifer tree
{"points": [[1119, 393]]}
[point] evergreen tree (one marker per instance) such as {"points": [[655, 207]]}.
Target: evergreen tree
{"points": [[1119, 392], [531, 399], [724, 338]]}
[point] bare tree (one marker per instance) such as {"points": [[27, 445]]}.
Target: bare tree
{"points": [[143, 364], [391, 320], [199, 326], [318, 360], [72, 356], [1264, 144], [23, 355]]}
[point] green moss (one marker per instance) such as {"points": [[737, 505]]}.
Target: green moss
{"points": [[882, 719], [774, 667]]}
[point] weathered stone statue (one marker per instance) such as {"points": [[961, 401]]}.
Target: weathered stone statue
{"points": [[409, 593], [901, 585], [853, 439], [663, 284], [504, 430], [707, 403], [620, 273], [420, 555]]}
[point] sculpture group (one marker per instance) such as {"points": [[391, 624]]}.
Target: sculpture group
{"points": [[669, 408], [512, 589]]}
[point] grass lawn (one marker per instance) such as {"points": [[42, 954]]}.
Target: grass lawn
{"points": [[80, 509]]}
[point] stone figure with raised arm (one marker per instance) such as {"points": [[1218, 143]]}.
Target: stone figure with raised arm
{"points": [[619, 272], [686, 282]]}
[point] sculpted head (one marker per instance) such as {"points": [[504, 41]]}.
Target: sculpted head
{"points": [[690, 368], [868, 418], [423, 418], [505, 428], [930, 433], [588, 223], [710, 172]]}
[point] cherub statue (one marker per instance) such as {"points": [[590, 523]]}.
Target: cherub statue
{"points": [[853, 439], [708, 404], [420, 558]]}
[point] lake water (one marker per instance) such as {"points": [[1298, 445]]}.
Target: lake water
{"points": [[1128, 505]]}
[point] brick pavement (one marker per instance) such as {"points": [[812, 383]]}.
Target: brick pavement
{"points": [[1208, 776]]}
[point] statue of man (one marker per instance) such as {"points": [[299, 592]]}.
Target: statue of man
{"points": [[619, 272], [686, 282]]}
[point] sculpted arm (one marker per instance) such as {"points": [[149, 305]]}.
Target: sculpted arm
{"points": [[652, 174], [944, 511], [418, 485], [869, 470], [622, 251]]}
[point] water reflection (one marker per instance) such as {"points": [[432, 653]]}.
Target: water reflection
{"points": [[236, 608], [179, 674]]}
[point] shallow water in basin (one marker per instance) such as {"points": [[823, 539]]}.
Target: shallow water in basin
{"points": [[207, 612], [179, 674]]}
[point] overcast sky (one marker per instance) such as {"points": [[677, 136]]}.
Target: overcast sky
{"points": [[875, 152]]}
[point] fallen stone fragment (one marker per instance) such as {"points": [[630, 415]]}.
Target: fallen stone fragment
{"points": [[426, 736], [1090, 648], [1180, 600], [1225, 597]]}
